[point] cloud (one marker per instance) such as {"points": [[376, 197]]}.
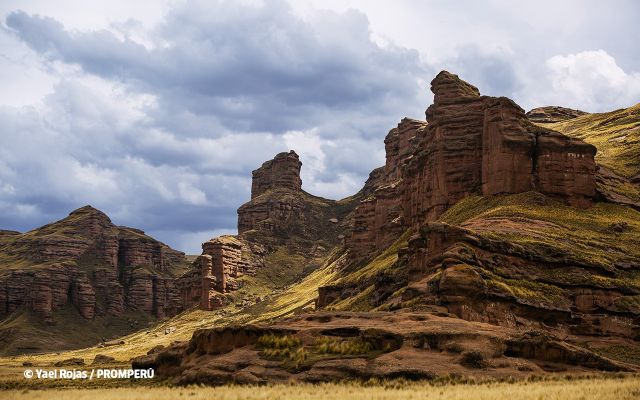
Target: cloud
{"points": [[161, 125], [241, 67], [592, 80]]}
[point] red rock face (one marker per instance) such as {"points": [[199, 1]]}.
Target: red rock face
{"points": [[273, 214], [444, 266], [281, 172], [223, 260], [226, 261], [565, 168], [470, 145], [507, 149], [84, 257], [279, 214], [379, 218], [280, 209]]}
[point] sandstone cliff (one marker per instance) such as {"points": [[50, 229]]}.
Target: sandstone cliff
{"points": [[86, 262], [469, 145], [616, 134], [486, 246]]}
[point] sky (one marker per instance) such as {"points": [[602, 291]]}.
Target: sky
{"points": [[157, 112]]}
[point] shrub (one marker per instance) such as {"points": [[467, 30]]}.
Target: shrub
{"points": [[473, 359], [272, 341], [355, 346]]}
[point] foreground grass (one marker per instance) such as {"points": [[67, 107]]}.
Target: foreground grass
{"points": [[598, 388]]}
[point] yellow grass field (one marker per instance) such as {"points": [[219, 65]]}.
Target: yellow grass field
{"points": [[596, 388]]}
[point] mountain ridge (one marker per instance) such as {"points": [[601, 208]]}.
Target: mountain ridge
{"points": [[478, 215], [486, 245]]}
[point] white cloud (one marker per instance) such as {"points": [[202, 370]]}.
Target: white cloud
{"points": [[191, 194], [308, 145], [592, 80]]}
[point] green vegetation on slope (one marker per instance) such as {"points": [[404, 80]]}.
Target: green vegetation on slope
{"points": [[601, 235], [29, 333], [593, 247]]}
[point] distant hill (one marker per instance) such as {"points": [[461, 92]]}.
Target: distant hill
{"points": [[82, 280]]}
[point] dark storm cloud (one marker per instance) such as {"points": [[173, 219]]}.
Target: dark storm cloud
{"points": [[252, 68], [162, 133]]}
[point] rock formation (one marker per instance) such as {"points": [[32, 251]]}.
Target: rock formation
{"points": [[281, 172], [551, 114], [87, 261], [361, 346], [280, 215], [483, 233], [473, 145], [215, 272], [279, 208], [469, 145]]}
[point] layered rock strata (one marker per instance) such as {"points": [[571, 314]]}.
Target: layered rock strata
{"points": [[283, 171], [215, 271], [280, 209], [469, 145], [85, 260], [280, 215], [413, 346], [494, 281]]}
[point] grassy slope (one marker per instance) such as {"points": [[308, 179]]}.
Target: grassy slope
{"points": [[616, 134], [548, 230], [29, 333], [535, 221], [383, 263]]}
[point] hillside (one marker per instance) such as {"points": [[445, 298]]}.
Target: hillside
{"points": [[80, 281], [486, 247], [483, 247]]}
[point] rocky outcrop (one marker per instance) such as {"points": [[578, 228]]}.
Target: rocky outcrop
{"points": [[281, 172], [490, 280], [224, 259], [87, 261], [469, 145], [280, 215], [325, 347], [498, 269], [279, 209], [379, 218], [551, 114]]}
